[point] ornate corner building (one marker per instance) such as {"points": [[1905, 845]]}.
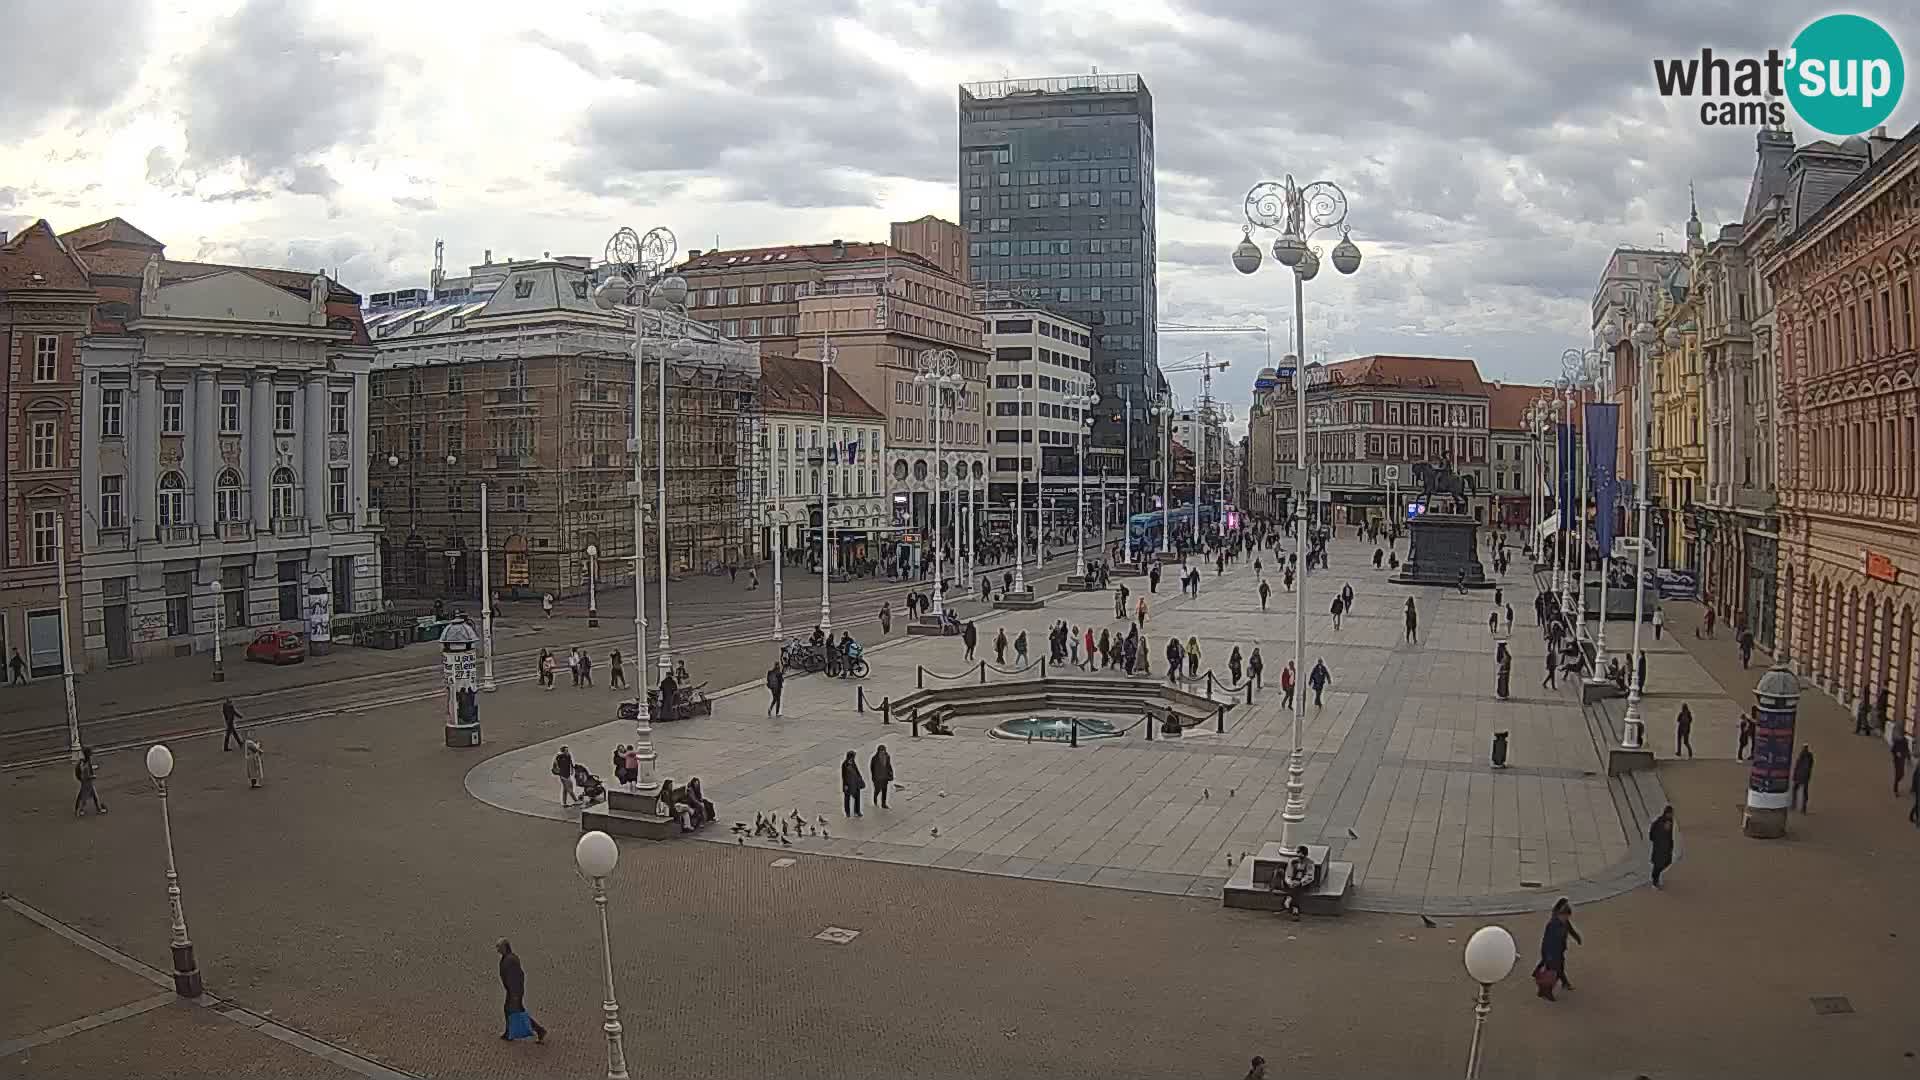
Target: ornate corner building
{"points": [[1842, 272]]}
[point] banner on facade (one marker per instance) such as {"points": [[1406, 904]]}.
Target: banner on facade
{"points": [[1602, 424]]}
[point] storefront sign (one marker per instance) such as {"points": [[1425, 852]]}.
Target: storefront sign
{"points": [[1881, 568]]}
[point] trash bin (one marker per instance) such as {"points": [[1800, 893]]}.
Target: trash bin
{"points": [[1500, 749]]}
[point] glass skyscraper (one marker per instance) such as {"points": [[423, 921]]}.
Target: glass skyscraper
{"points": [[1056, 197]]}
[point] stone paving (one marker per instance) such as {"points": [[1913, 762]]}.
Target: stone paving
{"points": [[1398, 777]]}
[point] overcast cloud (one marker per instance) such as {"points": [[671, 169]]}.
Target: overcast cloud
{"points": [[1493, 154]]}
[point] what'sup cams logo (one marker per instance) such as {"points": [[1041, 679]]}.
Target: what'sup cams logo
{"points": [[1843, 75]]}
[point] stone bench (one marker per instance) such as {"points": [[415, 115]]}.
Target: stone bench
{"points": [[631, 813], [1019, 600], [928, 626], [1078, 583], [1251, 886]]}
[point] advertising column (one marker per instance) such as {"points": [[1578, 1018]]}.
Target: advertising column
{"points": [[460, 661], [1770, 781]]}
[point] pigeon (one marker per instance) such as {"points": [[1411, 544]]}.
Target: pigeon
{"points": [[936, 830], [1428, 923], [824, 835], [741, 840], [784, 842], [1351, 835], [1206, 793], [1230, 791]]}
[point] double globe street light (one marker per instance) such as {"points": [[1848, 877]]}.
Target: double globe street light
{"points": [[1083, 404], [1297, 214], [939, 372]]}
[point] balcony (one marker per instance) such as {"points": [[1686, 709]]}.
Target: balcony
{"points": [[236, 530], [179, 534], [289, 527]]}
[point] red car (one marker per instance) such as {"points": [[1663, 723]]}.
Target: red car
{"points": [[278, 647]]}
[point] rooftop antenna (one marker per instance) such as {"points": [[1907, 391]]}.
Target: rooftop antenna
{"points": [[439, 269]]}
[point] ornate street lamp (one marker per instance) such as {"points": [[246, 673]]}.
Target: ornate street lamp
{"points": [[596, 855], [186, 974], [939, 372]]}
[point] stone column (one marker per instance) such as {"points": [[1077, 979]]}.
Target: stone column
{"points": [[313, 453], [205, 423], [260, 451], [357, 450], [144, 441]]}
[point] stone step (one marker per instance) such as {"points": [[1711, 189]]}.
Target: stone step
{"points": [[622, 823], [1328, 897]]}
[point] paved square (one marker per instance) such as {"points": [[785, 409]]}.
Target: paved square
{"points": [[1398, 777]]}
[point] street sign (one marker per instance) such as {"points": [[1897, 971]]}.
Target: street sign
{"points": [[1286, 372], [1393, 472]]}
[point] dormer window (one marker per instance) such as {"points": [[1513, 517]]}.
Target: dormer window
{"points": [[522, 288]]}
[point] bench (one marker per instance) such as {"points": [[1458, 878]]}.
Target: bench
{"points": [[1251, 886], [1019, 600], [631, 813], [928, 626]]}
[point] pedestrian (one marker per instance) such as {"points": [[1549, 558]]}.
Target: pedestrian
{"points": [[1255, 666], [1503, 675], [1233, 665], [1266, 590], [1660, 838], [1257, 1070], [970, 636], [1493, 621], [1709, 621], [1120, 603], [1902, 753], [1499, 596], [616, 672], [1379, 555], [573, 665], [776, 682], [19, 669], [256, 762], [1346, 598], [753, 579], [1553, 949], [586, 668], [1659, 621], [1176, 659], [546, 604], [1802, 779], [1683, 731], [1287, 578], [232, 734], [1140, 611], [1746, 737], [1020, 649], [1193, 657], [85, 771], [1413, 622], [1746, 648], [1318, 679], [1088, 641], [1073, 646], [881, 768], [1336, 608], [851, 783], [1509, 620], [514, 978], [1548, 683], [1640, 673], [1000, 647], [563, 768], [546, 667], [886, 617], [1286, 686], [1861, 723]]}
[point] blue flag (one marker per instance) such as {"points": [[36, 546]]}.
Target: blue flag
{"points": [[1603, 429], [1563, 437]]}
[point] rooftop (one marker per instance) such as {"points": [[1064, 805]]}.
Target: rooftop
{"points": [[1449, 373], [36, 259], [1060, 84], [837, 251], [1508, 403], [791, 385]]}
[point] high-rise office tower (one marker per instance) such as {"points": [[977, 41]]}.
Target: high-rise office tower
{"points": [[1056, 197]]}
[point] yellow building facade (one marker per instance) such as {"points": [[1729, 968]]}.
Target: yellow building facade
{"points": [[1679, 439]]}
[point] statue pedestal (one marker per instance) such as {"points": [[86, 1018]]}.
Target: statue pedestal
{"points": [[1441, 547]]}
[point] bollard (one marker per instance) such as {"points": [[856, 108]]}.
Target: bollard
{"points": [[886, 710], [859, 699], [1209, 682], [919, 677], [1249, 691], [1073, 732], [914, 719], [1148, 721], [983, 673], [1220, 719], [1043, 667]]}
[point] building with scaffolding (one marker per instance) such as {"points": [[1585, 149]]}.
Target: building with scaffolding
{"points": [[513, 379]]}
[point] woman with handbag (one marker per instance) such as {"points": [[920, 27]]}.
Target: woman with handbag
{"points": [[1552, 969]]}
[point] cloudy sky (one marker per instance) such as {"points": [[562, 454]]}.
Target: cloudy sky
{"points": [[1493, 153]]}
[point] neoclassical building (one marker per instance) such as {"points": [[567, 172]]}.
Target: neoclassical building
{"points": [[1843, 276], [1676, 441]]}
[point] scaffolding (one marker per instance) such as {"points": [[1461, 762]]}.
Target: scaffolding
{"points": [[542, 414]]}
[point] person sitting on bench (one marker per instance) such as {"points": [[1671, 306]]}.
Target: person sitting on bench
{"points": [[1294, 878]]}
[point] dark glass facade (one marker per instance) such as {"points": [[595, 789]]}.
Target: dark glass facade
{"points": [[1056, 197]]}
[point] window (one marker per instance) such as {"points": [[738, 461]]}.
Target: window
{"points": [[229, 412], [753, 294], [113, 506], [44, 444], [516, 496], [44, 536], [456, 380], [46, 358], [172, 410], [112, 403], [179, 590], [776, 294], [227, 504], [281, 494], [337, 492], [733, 296], [283, 411], [173, 500], [337, 416], [233, 595], [289, 590]]}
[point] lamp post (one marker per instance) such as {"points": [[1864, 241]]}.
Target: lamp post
{"points": [[828, 354], [186, 975], [596, 855], [1633, 730], [1020, 494], [1126, 533], [593, 603], [1163, 414], [1583, 370], [779, 519], [219, 667], [1083, 403], [1297, 213], [66, 639], [939, 372], [487, 685], [1490, 954], [637, 276], [1569, 518]]}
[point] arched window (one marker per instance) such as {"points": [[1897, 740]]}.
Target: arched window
{"points": [[228, 504], [282, 493], [173, 499]]}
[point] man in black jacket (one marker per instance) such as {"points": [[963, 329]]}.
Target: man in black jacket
{"points": [[514, 979]]}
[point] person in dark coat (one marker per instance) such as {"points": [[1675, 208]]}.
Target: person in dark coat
{"points": [[1553, 947], [1802, 779], [1660, 837], [232, 734], [514, 979], [776, 681], [1413, 622], [1336, 608], [1902, 753], [1000, 647], [1503, 674], [970, 637], [1233, 667], [1862, 725], [1255, 666], [1683, 731], [1176, 656], [1640, 673], [1746, 737], [881, 769], [1318, 679], [851, 784]]}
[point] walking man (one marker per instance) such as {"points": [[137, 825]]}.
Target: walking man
{"points": [[85, 772], [1000, 647], [1901, 754], [970, 637], [1548, 683], [1683, 731], [1659, 621], [882, 769], [1266, 590], [1336, 608], [19, 669], [1746, 738], [1746, 648], [1413, 622], [1802, 779], [1660, 838], [1286, 687], [514, 978], [616, 672], [1318, 678], [563, 768], [232, 734], [776, 682], [851, 784]]}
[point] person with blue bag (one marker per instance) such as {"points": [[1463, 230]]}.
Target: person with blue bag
{"points": [[520, 1023]]}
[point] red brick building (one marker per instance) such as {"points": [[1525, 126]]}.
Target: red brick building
{"points": [[44, 304], [1843, 273]]}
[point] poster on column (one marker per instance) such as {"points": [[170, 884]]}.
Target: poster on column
{"points": [[319, 615], [1772, 770]]}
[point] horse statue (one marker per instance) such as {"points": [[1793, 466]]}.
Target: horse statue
{"points": [[1438, 478]]}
